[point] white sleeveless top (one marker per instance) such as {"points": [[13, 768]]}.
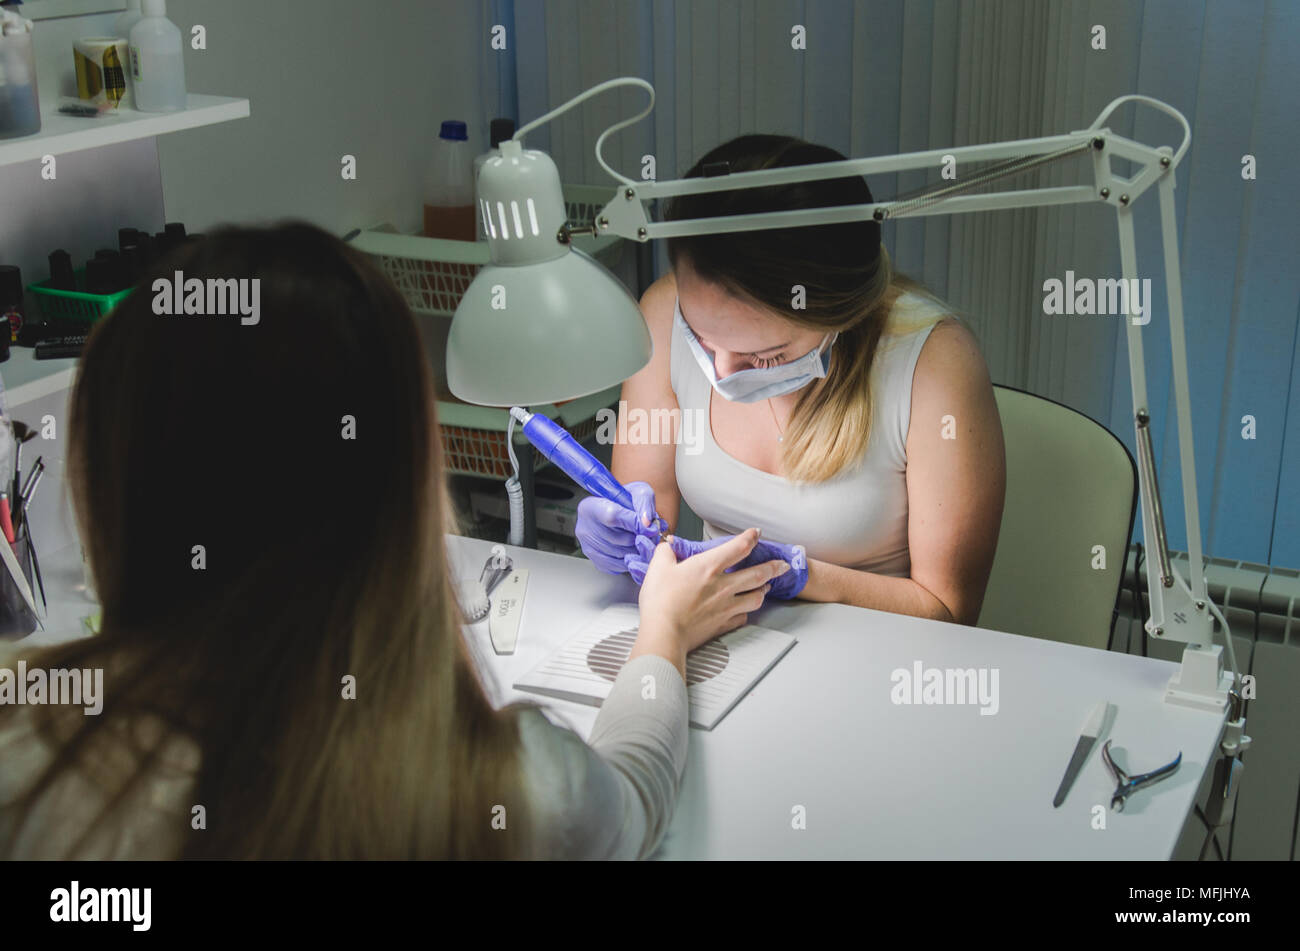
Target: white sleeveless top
{"points": [[858, 519]]}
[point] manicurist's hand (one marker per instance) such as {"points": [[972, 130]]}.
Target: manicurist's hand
{"points": [[685, 604], [607, 531]]}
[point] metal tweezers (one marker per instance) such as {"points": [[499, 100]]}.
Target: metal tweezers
{"points": [[1126, 784]]}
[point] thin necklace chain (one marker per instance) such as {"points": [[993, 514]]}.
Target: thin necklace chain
{"points": [[780, 432]]}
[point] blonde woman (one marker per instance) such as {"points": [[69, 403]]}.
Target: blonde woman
{"points": [[283, 671], [842, 409]]}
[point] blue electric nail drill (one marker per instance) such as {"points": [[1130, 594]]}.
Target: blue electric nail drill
{"points": [[553, 442]]}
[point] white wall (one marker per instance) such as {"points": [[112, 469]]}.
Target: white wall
{"points": [[94, 193], [325, 78]]}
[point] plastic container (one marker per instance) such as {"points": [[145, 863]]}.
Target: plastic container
{"points": [[449, 188], [157, 62], [432, 276], [11, 304], [103, 71], [499, 131], [57, 305], [20, 109], [16, 618]]}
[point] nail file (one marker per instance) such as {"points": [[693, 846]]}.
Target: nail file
{"points": [[1087, 740], [507, 609]]}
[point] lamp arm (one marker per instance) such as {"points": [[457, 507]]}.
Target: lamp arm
{"points": [[1177, 611], [625, 215]]}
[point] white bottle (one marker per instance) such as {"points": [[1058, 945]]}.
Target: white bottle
{"points": [[449, 186], [157, 68], [132, 16]]}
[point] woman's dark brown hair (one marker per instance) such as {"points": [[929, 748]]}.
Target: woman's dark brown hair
{"points": [[263, 509], [844, 269]]}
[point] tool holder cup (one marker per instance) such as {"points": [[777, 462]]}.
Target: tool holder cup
{"points": [[16, 618]]}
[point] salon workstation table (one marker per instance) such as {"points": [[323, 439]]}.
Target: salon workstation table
{"points": [[876, 780], [879, 780]]}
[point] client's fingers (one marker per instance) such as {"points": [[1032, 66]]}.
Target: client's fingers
{"points": [[734, 549], [662, 552], [746, 579], [752, 600]]}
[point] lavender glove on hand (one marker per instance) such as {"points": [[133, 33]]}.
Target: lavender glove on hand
{"points": [[784, 587], [606, 530]]}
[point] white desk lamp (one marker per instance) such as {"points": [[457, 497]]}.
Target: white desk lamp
{"points": [[547, 343]]}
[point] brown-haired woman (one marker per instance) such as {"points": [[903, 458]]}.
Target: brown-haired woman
{"points": [[882, 456], [263, 508]]}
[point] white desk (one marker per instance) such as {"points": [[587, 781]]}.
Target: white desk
{"points": [[877, 780], [885, 781]]}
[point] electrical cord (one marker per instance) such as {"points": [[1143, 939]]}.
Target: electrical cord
{"points": [[514, 491], [594, 90], [1210, 836], [1227, 642], [1137, 595]]}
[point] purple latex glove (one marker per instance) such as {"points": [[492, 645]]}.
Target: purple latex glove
{"points": [[606, 530], [784, 587]]}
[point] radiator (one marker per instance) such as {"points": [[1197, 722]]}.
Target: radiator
{"points": [[1261, 604]]}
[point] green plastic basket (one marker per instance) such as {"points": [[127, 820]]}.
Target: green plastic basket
{"points": [[75, 305]]}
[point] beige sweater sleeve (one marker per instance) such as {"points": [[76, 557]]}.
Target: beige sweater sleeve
{"points": [[65, 821], [613, 797]]}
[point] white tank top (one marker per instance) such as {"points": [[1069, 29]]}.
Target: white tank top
{"points": [[858, 519]]}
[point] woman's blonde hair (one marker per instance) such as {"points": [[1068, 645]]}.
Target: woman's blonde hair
{"points": [[847, 281], [263, 510]]}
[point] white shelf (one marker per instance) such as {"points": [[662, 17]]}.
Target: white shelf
{"points": [[61, 134], [27, 379]]}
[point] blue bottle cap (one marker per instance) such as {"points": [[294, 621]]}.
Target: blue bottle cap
{"points": [[453, 129]]}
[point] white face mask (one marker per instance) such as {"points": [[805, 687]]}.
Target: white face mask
{"points": [[760, 383]]}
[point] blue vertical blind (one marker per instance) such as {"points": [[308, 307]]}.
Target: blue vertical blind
{"points": [[880, 77]]}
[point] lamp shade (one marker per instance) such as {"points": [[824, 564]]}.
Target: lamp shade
{"points": [[538, 333], [543, 322]]}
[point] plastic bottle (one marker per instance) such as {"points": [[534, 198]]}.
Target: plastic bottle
{"points": [[11, 303], [449, 190], [500, 130], [157, 67], [20, 112], [122, 25]]}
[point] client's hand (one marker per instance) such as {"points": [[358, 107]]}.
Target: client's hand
{"points": [[606, 530], [685, 604], [792, 582], [783, 588]]}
